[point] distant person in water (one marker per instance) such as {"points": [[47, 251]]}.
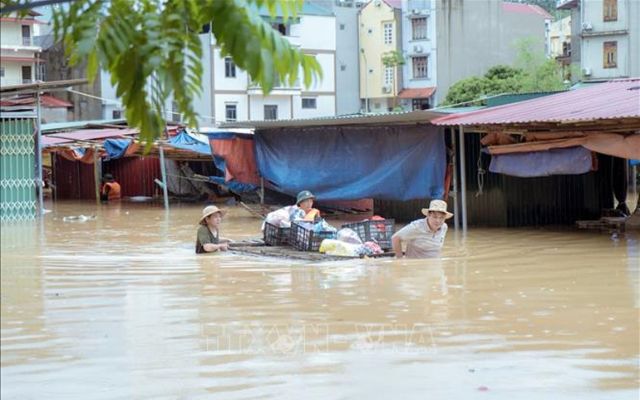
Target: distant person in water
{"points": [[424, 237], [208, 239], [303, 210], [110, 189]]}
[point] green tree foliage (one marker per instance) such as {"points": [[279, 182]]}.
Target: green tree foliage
{"points": [[532, 73], [152, 48]]}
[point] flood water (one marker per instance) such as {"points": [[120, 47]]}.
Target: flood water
{"points": [[120, 307]]}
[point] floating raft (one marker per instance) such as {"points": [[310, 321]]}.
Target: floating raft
{"points": [[259, 248], [604, 224]]}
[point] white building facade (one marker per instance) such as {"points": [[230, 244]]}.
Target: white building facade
{"points": [[233, 97], [19, 56], [419, 40], [605, 37]]}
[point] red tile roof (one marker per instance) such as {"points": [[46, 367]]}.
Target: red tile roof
{"points": [[421, 93], [526, 9], [46, 101], [610, 100]]}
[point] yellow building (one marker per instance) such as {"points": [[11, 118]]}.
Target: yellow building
{"points": [[379, 34]]}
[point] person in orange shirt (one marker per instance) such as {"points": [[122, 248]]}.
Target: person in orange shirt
{"points": [[110, 189]]}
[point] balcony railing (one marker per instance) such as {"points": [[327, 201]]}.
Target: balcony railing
{"points": [[26, 41]]}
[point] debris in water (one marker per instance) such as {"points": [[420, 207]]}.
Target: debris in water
{"points": [[78, 218]]}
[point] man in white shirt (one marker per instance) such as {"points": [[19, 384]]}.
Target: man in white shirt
{"points": [[424, 237]]}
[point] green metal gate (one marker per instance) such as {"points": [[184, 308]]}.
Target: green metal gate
{"points": [[17, 168]]}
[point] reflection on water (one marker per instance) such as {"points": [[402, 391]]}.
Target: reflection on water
{"points": [[120, 307]]}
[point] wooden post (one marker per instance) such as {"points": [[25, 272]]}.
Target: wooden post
{"points": [[39, 176], [96, 174], [163, 170], [456, 221], [463, 181]]}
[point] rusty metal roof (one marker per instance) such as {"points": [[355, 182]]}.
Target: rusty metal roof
{"points": [[611, 100]]}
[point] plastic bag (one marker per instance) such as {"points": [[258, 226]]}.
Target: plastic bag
{"points": [[338, 248], [348, 235], [279, 217]]}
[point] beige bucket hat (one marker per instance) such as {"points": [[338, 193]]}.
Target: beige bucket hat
{"points": [[439, 206], [209, 210]]}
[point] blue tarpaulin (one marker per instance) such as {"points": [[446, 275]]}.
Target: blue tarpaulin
{"points": [[187, 142], [236, 187], [349, 163], [634, 162], [569, 161], [116, 148]]}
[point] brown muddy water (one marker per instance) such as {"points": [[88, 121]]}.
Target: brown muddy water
{"points": [[120, 307]]}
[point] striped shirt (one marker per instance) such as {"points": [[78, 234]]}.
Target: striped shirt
{"points": [[422, 242]]}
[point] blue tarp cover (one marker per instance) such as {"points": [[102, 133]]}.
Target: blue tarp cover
{"points": [[187, 142], [234, 186], [116, 148], [569, 161], [393, 163]]}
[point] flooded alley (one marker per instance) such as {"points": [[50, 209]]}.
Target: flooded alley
{"points": [[119, 307]]}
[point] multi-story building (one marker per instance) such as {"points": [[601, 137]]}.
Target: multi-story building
{"points": [[229, 94], [442, 42], [380, 36], [605, 37], [560, 43], [19, 55], [419, 38]]}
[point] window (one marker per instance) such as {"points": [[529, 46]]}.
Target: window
{"points": [[610, 54], [387, 28], [230, 112], [175, 114], [270, 112], [341, 27], [610, 11], [309, 103], [1, 72], [229, 68], [116, 114], [26, 74], [282, 28], [419, 28], [419, 67], [388, 76], [26, 35]]}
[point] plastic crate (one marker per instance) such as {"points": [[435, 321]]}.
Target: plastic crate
{"points": [[379, 231], [276, 236], [305, 239]]}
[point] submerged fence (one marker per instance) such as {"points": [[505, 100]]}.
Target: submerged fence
{"points": [[17, 169]]}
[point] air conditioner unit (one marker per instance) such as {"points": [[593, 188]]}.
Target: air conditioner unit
{"points": [[415, 11], [586, 71], [386, 89], [586, 26], [417, 49]]}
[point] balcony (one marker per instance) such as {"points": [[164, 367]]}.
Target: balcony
{"points": [[279, 88], [566, 4], [26, 41]]}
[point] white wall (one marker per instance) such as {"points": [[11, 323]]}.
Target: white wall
{"points": [[593, 13], [13, 73], [223, 83], [12, 33], [240, 100], [315, 32], [592, 56], [327, 83], [258, 103], [325, 106], [428, 45]]}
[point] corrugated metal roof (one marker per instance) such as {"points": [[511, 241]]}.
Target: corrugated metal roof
{"points": [[46, 101], [607, 101], [408, 117], [60, 126], [85, 134], [417, 93]]}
